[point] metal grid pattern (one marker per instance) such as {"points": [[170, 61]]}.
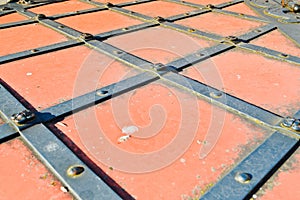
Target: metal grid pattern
{"points": [[282, 143]]}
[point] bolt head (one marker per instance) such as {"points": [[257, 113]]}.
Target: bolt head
{"points": [[216, 94], [75, 170], [296, 125], [23, 117], [288, 122], [243, 177], [296, 8]]}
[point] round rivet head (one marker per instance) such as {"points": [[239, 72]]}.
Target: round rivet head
{"points": [[296, 125], [102, 92], [288, 122], [216, 94], [243, 177], [23, 117], [294, 7], [75, 171], [86, 36], [40, 16]]}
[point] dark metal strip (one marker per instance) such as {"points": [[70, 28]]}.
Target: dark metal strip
{"points": [[187, 15], [222, 99], [250, 174], [67, 31], [192, 31], [199, 56], [14, 24], [241, 15], [78, 12], [95, 97], [39, 51], [227, 4], [208, 52], [120, 55], [257, 32], [8, 104], [186, 3], [270, 53], [124, 4], [59, 159], [125, 30], [195, 5], [118, 9], [7, 132], [131, 14], [6, 12]]}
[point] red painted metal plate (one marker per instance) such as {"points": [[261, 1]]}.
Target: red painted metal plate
{"points": [[156, 110]]}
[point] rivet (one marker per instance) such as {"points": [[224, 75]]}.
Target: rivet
{"points": [[61, 26], [191, 30], [159, 19], [243, 178], [283, 55], [34, 50], [288, 122], [40, 16], [86, 36], [125, 29], [210, 6], [294, 6], [118, 52], [75, 170], [102, 92], [200, 54], [23, 117], [108, 4], [296, 125], [216, 94]]}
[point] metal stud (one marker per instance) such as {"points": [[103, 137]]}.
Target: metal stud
{"points": [[75, 170], [23, 117], [86, 36], [159, 19], [243, 177], [101, 92], [288, 122], [216, 94], [296, 125], [40, 16]]}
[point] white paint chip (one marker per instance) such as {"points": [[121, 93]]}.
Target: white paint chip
{"points": [[129, 130]]}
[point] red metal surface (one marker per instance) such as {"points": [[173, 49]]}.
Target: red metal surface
{"points": [[49, 79], [27, 37]]}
